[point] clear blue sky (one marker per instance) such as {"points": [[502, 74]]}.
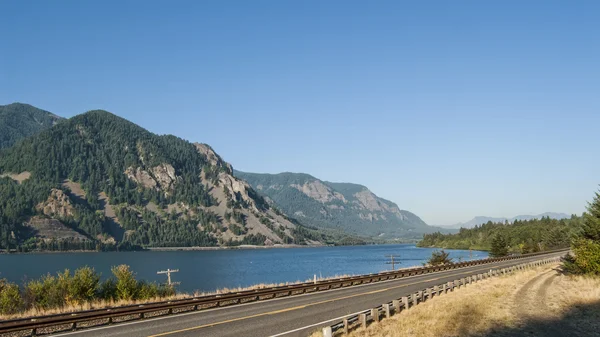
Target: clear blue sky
{"points": [[451, 109]]}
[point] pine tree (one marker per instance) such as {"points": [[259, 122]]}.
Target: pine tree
{"points": [[586, 246], [499, 246]]}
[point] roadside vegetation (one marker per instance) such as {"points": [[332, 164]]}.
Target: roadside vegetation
{"points": [[75, 291]]}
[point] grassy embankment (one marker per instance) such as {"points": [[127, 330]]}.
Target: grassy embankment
{"points": [[537, 302]]}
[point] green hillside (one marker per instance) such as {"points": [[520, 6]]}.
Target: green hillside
{"points": [[18, 121], [101, 181], [521, 236]]}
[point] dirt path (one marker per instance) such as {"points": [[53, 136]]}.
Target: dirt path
{"points": [[531, 304]]}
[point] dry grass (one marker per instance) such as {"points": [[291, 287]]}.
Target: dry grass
{"points": [[100, 304], [498, 307]]}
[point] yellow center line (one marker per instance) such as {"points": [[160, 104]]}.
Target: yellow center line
{"points": [[297, 307]]}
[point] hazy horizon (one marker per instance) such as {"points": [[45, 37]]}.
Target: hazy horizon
{"points": [[450, 110]]}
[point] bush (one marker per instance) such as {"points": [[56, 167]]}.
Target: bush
{"points": [[439, 257], [126, 285], [83, 286], [586, 259], [108, 290], [11, 301]]}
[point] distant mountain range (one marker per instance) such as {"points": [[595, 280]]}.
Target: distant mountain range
{"points": [[349, 207], [479, 220], [98, 180]]}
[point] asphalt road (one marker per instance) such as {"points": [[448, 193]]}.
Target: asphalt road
{"points": [[288, 316]]}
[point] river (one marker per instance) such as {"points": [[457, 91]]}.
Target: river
{"points": [[213, 269]]}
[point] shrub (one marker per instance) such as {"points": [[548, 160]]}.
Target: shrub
{"points": [[108, 290], [126, 285], [10, 298], [83, 286], [439, 257]]}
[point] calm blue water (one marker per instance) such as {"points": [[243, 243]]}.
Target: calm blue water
{"points": [[209, 270]]}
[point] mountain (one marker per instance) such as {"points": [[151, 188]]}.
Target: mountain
{"points": [[341, 206], [18, 121], [479, 220], [97, 181]]}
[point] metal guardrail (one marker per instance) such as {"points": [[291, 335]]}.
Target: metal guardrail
{"points": [[92, 318], [396, 306]]}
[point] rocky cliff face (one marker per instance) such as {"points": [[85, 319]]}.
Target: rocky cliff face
{"points": [[348, 207]]}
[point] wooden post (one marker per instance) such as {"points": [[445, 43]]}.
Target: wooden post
{"points": [[405, 302], [436, 290], [396, 305], [445, 289], [345, 326], [363, 320], [386, 310], [375, 314], [450, 286], [415, 298], [327, 332]]}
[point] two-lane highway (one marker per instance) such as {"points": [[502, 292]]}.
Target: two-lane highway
{"points": [[289, 316]]}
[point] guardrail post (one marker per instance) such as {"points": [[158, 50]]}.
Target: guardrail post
{"points": [[363, 320], [386, 310], [375, 314], [415, 299], [396, 305], [405, 302], [436, 290], [451, 286], [327, 332], [463, 282], [445, 288], [429, 294], [345, 325]]}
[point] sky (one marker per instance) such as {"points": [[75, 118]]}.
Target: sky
{"points": [[451, 109]]}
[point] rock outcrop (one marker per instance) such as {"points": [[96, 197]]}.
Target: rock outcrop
{"points": [[58, 205]]}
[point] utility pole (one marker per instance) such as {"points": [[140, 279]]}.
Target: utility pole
{"points": [[168, 272], [392, 262]]}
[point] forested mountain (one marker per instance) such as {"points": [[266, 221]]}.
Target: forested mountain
{"points": [[343, 206], [99, 181], [479, 220], [523, 236], [18, 121]]}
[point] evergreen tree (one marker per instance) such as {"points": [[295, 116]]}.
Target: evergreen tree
{"points": [[439, 258], [499, 246], [586, 246]]}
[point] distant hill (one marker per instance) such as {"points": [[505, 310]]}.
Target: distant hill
{"points": [[479, 220], [18, 121], [348, 207], [97, 181], [522, 236]]}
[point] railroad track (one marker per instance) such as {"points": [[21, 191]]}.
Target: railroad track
{"points": [[92, 318]]}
